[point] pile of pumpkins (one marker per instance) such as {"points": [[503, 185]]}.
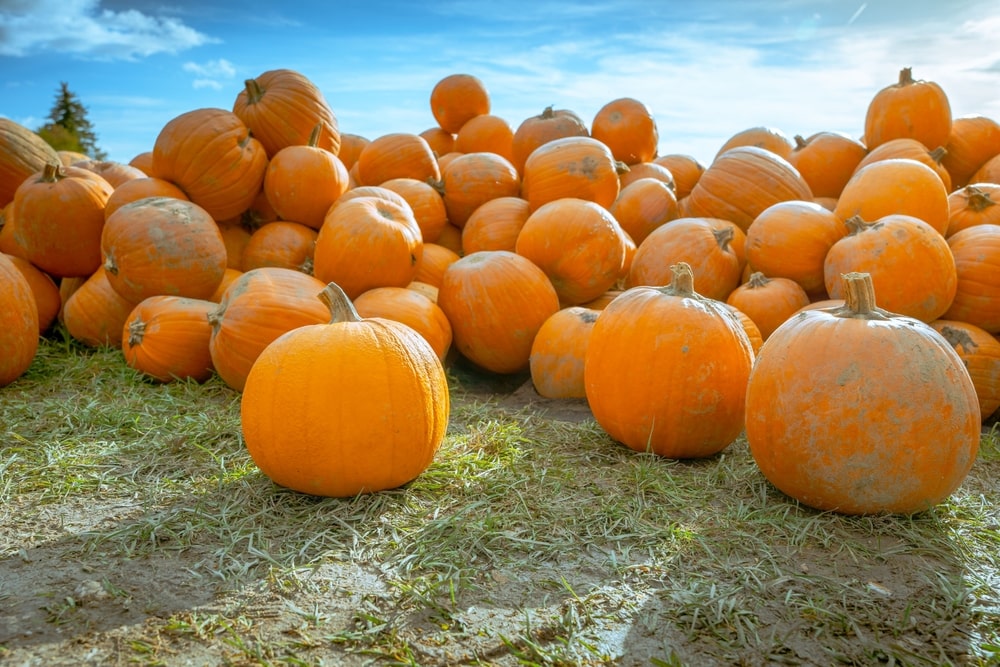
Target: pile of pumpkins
{"points": [[835, 298]]}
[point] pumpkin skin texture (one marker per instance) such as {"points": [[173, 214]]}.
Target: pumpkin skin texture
{"points": [[578, 244], [472, 179], [559, 351], [908, 262], [627, 127], [162, 245], [543, 128], [496, 301], [666, 370], [977, 263], [302, 182], [643, 205], [826, 161], [897, 185], [980, 352], [280, 243], [741, 183], [260, 305], [580, 167], [768, 301], [910, 149], [397, 155], [166, 338], [495, 225], [486, 133], [140, 188], [909, 108], [18, 322], [685, 169], [375, 412], [456, 99], [211, 156], [60, 215], [861, 411], [43, 288], [768, 138], [282, 108], [22, 153], [426, 203]]}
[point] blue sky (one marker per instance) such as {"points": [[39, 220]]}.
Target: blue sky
{"points": [[707, 69]]}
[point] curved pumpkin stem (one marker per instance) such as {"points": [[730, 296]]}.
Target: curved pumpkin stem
{"points": [[314, 135], [724, 236], [757, 280], [254, 91], [800, 142], [547, 113], [341, 308], [682, 282], [906, 76], [52, 172], [859, 298], [856, 224], [136, 331], [938, 154], [978, 199]]}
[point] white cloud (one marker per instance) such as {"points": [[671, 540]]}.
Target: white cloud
{"points": [[211, 73], [81, 28]]}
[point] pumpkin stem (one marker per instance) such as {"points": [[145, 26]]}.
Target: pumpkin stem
{"points": [[757, 280], [800, 142], [856, 224], [110, 265], [341, 308], [724, 236], [682, 282], [621, 167], [548, 113], [314, 135], [859, 298], [254, 91], [136, 330], [906, 76], [978, 200], [52, 172], [938, 154]]}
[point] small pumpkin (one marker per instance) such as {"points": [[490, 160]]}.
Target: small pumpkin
{"points": [[973, 140], [94, 313], [628, 128], [486, 133], [495, 225], [826, 161], [280, 243], [559, 351], [980, 352], [976, 251], [472, 179], [457, 98], [166, 338], [375, 416], [396, 155]]}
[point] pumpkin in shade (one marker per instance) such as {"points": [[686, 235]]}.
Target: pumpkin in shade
{"points": [[911, 108], [433, 263], [412, 308], [260, 305], [666, 370], [282, 108], [496, 301], [909, 264], [375, 414], [426, 203], [60, 215], [22, 153], [578, 244], [980, 352], [94, 313], [368, 242], [166, 338], [211, 156], [280, 243], [859, 410], [559, 351], [456, 99], [977, 264], [163, 245], [43, 288], [18, 322]]}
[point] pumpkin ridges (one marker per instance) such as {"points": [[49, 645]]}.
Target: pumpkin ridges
{"points": [[167, 338]]}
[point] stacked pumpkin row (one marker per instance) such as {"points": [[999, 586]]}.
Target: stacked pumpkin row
{"points": [[507, 243]]}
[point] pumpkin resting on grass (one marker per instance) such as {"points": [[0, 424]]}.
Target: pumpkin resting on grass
{"points": [[352, 406], [861, 411]]}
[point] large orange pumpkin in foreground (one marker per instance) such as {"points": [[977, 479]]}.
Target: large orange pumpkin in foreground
{"points": [[861, 411], [666, 370], [374, 415]]}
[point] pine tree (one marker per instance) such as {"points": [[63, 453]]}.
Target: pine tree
{"points": [[69, 128]]}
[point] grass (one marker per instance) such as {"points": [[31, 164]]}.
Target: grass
{"points": [[529, 540]]}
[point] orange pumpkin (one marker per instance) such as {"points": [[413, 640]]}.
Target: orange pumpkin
{"points": [[434, 261], [44, 290], [628, 128], [861, 411], [643, 205], [425, 201], [989, 172], [909, 264], [411, 307], [640, 170], [666, 370], [440, 141], [303, 181], [456, 99], [143, 161], [22, 153], [685, 169], [94, 313], [578, 244], [559, 351], [543, 128], [280, 243], [282, 108], [495, 225], [19, 327], [368, 242], [910, 149], [115, 173], [381, 392], [580, 167], [486, 133], [162, 245], [472, 179], [895, 186], [973, 140], [140, 188], [973, 205], [397, 155], [911, 108], [826, 161], [980, 352], [496, 301], [211, 156], [768, 301], [977, 264], [768, 138], [166, 338]]}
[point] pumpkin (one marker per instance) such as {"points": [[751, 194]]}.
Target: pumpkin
{"points": [[895, 186], [559, 351], [910, 149], [972, 141], [628, 128], [791, 240], [228, 278], [750, 328], [211, 155], [977, 265], [643, 205], [397, 155], [768, 301], [543, 128], [973, 205], [640, 170], [115, 173], [989, 172], [451, 238], [60, 215], [908, 262], [496, 301], [434, 261], [685, 170], [140, 188], [163, 245], [440, 141], [303, 181], [980, 352], [143, 161], [826, 161], [375, 416], [760, 136], [235, 236], [368, 242], [280, 243], [166, 338], [456, 99], [94, 313], [576, 166], [741, 183], [911, 108], [666, 370], [859, 410], [495, 225], [260, 305], [44, 290], [412, 308], [19, 326], [425, 201], [282, 107], [486, 133], [709, 247], [472, 179], [22, 154], [578, 244]]}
